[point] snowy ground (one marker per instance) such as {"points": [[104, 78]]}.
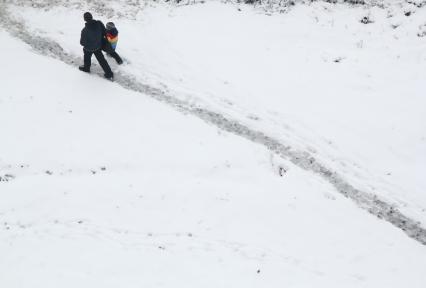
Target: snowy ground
{"points": [[106, 186], [362, 116]]}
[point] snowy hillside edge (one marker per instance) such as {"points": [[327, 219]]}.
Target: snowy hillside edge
{"points": [[303, 159]]}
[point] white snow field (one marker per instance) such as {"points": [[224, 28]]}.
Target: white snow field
{"points": [[103, 186], [363, 115]]}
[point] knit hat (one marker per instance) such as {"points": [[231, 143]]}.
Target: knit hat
{"points": [[110, 26], [88, 16]]}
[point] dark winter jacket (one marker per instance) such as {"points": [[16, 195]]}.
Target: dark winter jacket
{"points": [[92, 35]]}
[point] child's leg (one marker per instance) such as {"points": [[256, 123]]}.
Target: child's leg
{"points": [[116, 57]]}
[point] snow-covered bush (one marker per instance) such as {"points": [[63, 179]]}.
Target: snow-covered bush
{"points": [[422, 31], [130, 8]]}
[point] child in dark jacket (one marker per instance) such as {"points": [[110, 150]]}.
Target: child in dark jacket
{"points": [[112, 39]]}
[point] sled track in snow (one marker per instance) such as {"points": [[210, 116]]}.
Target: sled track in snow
{"points": [[303, 159]]}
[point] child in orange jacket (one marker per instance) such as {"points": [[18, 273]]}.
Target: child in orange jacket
{"points": [[111, 35]]}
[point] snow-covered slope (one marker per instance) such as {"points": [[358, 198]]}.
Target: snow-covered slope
{"points": [[316, 78], [108, 187]]}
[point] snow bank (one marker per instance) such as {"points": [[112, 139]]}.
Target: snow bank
{"points": [[108, 186]]}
